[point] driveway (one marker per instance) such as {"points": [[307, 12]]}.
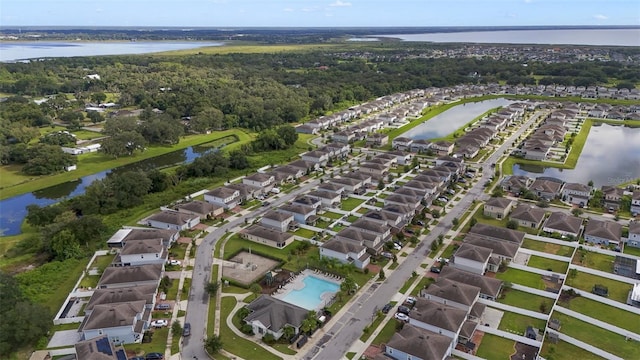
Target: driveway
{"points": [[64, 338]]}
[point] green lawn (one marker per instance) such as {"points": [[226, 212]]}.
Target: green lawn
{"points": [[525, 300], [598, 337], [386, 333], [237, 345], [514, 322], [631, 250], [565, 351], [494, 347], [423, 284], [448, 252], [554, 249], [609, 314], [617, 290], [350, 203], [236, 243], [594, 260], [522, 277], [548, 264], [332, 215], [479, 215], [305, 233], [371, 327], [158, 342]]}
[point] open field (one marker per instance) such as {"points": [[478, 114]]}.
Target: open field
{"points": [[550, 248], [609, 314], [522, 277], [244, 48], [548, 264], [494, 347], [527, 301], [598, 337], [618, 291]]}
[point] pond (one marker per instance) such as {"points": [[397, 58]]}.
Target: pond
{"points": [[611, 156], [451, 120], [14, 209]]}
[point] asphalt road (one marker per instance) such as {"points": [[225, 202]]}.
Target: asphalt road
{"points": [[337, 340]]}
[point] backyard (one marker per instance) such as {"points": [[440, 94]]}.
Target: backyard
{"points": [[494, 347], [548, 264], [554, 249], [351, 203], [525, 300], [618, 291], [609, 314], [517, 323], [565, 351], [522, 277], [594, 260]]}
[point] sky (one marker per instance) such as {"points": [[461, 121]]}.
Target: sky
{"points": [[317, 13]]}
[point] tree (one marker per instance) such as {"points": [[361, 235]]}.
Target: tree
{"points": [[64, 245], [497, 192], [238, 160], [577, 212], [381, 184], [473, 221], [41, 216], [255, 288], [212, 288], [213, 344], [288, 332], [310, 323], [95, 117], [288, 134], [47, 159], [512, 224], [348, 285], [455, 221], [381, 275], [123, 143], [99, 97]]}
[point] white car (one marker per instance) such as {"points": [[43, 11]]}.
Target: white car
{"points": [[401, 317], [159, 323], [174, 262]]}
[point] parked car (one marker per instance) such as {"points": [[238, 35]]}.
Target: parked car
{"points": [[154, 356], [265, 203], [403, 309], [401, 317], [411, 300], [469, 175], [388, 255], [443, 199], [186, 330], [462, 180], [159, 323], [421, 223], [396, 246], [386, 308], [163, 306], [137, 358], [174, 262], [435, 270], [451, 192]]}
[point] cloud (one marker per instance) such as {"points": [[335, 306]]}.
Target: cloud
{"points": [[340, 3], [287, 9], [528, 1], [600, 17]]}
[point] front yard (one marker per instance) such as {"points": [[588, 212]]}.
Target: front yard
{"points": [[522, 277]]}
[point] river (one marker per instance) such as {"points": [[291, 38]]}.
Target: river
{"points": [[611, 156], [451, 120], [11, 51], [14, 209]]}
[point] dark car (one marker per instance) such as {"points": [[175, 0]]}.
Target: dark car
{"points": [[266, 203], [186, 330], [386, 308], [435, 269], [403, 310], [137, 358], [154, 356]]}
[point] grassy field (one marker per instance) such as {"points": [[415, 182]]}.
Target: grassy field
{"points": [[13, 183], [565, 351], [332, 215], [237, 345], [518, 323], [522, 277], [305, 233], [594, 260], [549, 248], [597, 310], [351, 203], [598, 337], [631, 250], [495, 347], [525, 300], [158, 342], [479, 215], [548, 264], [617, 290], [422, 284], [244, 48]]}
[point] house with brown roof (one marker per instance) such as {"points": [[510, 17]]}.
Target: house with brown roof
{"points": [[116, 277], [497, 207], [122, 323], [172, 220], [413, 342], [634, 234], [489, 287], [528, 216], [546, 188], [269, 315], [346, 252], [267, 236], [471, 258], [516, 183], [142, 252], [602, 232], [501, 250], [277, 220], [122, 295], [497, 233], [203, 209], [563, 224]]}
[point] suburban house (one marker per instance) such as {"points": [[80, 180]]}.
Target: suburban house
{"points": [[307, 129], [291, 172], [402, 143], [373, 242], [501, 250], [141, 252], [406, 212], [247, 192], [545, 188], [122, 323], [497, 233], [264, 235], [402, 157], [421, 186], [344, 136], [497, 207], [349, 185], [394, 220], [317, 157], [442, 147], [634, 234], [602, 232], [337, 150], [563, 224], [635, 202], [373, 169], [307, 201], [327, 199], [265, 182], [452, 293], [223, 196], [420, 146], [269, 315], [120, 238], [414, 343], [277, 220], [528, 216], [489, 287], [331, 187], [441, 319], [301, 214], [122, 295], [373, 228], [402, 200], [515, 183], [203, 209], [612, 197], [116, 277], [472, 258], [173, 220], [576, 194], [377, 140], [99, 348], [346, 251], [360, 176]]}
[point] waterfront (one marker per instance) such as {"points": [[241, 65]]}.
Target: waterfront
{"points": [[593, 37], [21, 50], [611, 156], [451, 120]]}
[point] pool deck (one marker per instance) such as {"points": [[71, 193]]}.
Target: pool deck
{"points": [[297, 283]]}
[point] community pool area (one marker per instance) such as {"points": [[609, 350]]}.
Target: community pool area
{"points": [[309, 290]]}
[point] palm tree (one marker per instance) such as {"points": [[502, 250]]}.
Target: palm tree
{"points": [[288, 332], [213, 344], [348, 285]]}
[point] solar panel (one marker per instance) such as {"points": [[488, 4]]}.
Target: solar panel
{"points": [[104, 346], [121, 355]]}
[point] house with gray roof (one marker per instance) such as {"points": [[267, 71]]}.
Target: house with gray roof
{"points": [[497, 207], [349, 185], [223, 196], [346, 252], [306, 200], [413, 342], [203, 209], [634, 234], [115, 277], [563, 224], [546, 188], [122, 323], [576, 194], [489, 287], [402, 143], [502, 250], [317, 157], [393, 220], [452, 293], [602, 232], [471, 258], [331, 187], [264, 182], [373, 228], [142, 252], [269, 315], [122, 295], [277, 220], [247, 192], [438, 318], [499, 233], [267, 236], [372, 241], [397, 199], [99, 348], [302, 214], [120, 238], [172, 220], [516, 183], [528, 216]]}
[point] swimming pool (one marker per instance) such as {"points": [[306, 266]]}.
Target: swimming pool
{"points": [[310, 296]]}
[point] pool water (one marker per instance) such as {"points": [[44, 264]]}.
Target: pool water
{"points": [[309, 296]]}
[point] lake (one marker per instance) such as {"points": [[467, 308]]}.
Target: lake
{"points": [[14, 209], [607, 37], [21, 50], [611, 155], [451, 120]]}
